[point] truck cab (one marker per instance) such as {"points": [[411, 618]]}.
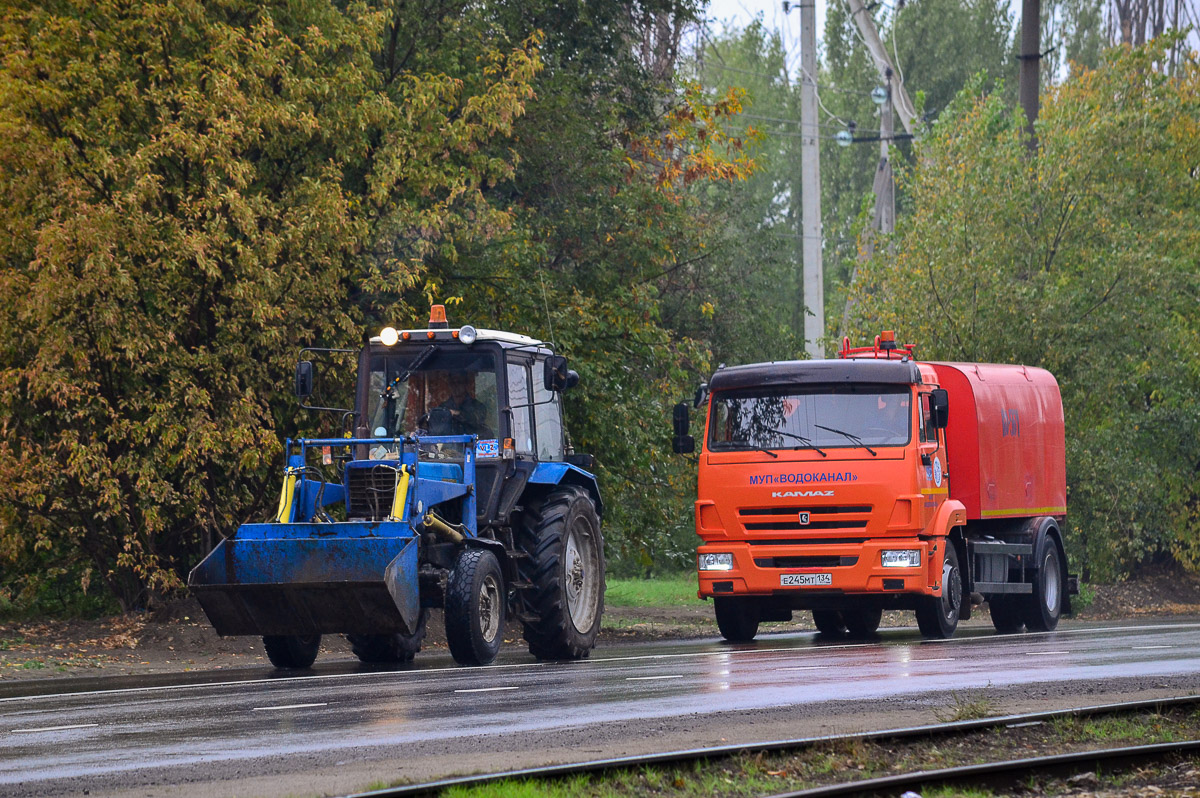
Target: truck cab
{"points": [[833, 486]]}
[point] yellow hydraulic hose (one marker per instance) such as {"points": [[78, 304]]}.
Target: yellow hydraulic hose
{"points": [[401, 496], [438, 525], [284, 514]]}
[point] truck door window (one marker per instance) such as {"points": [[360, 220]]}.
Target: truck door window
{"points": [[547, 414], [519, 401], [925, 419]]}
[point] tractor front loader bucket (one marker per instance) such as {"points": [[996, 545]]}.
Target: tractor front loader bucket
{"points": [[296, 582]]}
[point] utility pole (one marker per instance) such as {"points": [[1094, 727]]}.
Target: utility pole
{"points": [[885, 186], [1031, 56], [866, 26], [810, 184]]}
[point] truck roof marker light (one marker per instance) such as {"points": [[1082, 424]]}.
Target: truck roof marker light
{"points": [[437, 318], [388, 336]]}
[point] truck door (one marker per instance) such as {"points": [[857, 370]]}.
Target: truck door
{"points": [[935, 486]]}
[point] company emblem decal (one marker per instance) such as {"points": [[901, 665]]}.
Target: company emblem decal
{"points": [[937, 472]]}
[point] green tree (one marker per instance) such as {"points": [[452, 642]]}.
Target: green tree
{"points": [[193, 191], [1082, 260]]}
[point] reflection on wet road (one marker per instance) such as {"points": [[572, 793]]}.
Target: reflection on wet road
{"points": [[71, 742]]}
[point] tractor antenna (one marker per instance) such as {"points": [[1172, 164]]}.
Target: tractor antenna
{"points": [[546, 305]]}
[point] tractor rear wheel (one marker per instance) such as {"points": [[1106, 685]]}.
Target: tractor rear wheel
{"points": [[292, 651], [396, 647], [565, 568], [737, 618], [937, 616], [475, 608]]}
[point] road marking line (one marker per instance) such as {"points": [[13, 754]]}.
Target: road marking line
{"points": [[1039, 653], [1143, 648], [486, 689], [804, 668], [289, 706], [55, 728], [651, 678], [939, 659]]}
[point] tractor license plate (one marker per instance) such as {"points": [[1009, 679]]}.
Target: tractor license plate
{"points": [[805, 580]]}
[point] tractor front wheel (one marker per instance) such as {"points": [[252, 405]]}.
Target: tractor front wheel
{"points": [[292, 651], [393, 648], [565, 566], [475, 608]]}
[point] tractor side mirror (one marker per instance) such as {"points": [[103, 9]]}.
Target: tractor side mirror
{"points": [[701, 395], [939, 407], [556, 376], [682, 443], [304, 379]]}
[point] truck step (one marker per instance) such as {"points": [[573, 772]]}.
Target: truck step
{"points": [[1003, 587]]}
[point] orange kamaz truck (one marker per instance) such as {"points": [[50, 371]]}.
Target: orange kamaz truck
{"points": [[875, 482]]}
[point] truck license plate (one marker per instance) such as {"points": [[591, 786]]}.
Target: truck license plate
{"points": [[803, 580]]}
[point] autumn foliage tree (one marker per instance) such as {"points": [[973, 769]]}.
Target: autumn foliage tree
{"points": [[1081, 259], [191, 192]]}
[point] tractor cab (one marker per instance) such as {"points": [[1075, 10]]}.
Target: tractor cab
{"points": [[454, 487]]}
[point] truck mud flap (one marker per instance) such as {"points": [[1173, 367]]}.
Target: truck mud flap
{"points": [[309, 586]]}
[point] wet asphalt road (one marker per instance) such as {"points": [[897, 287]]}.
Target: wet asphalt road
{"points": [[339, 727]]}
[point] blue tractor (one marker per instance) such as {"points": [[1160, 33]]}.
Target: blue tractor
{"points": [[454, 488]]}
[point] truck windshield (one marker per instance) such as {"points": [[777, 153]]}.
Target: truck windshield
{"points": [[828, 418], [447, 393]]}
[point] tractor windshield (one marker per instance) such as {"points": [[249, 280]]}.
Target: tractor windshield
{"points": [[825, 418], [432, 392]]}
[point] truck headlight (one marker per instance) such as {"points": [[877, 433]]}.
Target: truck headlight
{"points": [[903, 558], [715, 562]]}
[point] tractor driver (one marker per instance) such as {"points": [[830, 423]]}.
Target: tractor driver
{"points": [[461, 413]]}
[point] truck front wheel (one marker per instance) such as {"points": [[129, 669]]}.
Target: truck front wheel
{"points": [[937, 616], [737, 618], [1044, 607], [292, 651], [475, 608], [565, 568]]}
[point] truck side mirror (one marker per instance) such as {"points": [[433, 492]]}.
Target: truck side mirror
{"points": [[682, 443], [556, 376], [939, 407], [701, 395], [304, 379]]}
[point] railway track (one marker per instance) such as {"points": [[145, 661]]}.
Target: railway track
{"points": [[992, 773]]}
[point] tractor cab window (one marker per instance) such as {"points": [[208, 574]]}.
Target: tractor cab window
{"points": [[826, 418], [447, 393], [547, 414], [519, 400]]}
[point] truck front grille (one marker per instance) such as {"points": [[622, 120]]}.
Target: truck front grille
{"points": [[820, 561], [371, 492], [848, 518]]}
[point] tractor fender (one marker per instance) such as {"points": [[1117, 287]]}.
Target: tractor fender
{"points": [[551, 474]]}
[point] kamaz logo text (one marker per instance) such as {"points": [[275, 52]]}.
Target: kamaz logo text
{"points": [[799, 494]]}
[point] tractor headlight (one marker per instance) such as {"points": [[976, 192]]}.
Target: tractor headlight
{"points": [[467, 334], [904, 558], [388, 336], [715, 562]]}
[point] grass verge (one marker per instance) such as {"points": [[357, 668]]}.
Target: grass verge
{"points": [[665, 591]]}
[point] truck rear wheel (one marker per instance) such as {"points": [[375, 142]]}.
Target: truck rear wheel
{"points": [[937, 616], [862, 623], [737, 618], [475, 608], [1044, 607], [565, 567], [829, 622], [396, 647], [1006, 614], [292, 651]]}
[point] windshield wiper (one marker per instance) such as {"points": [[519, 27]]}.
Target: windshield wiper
{"points": [[418, 361], [805, 441], [853, 438], [750, 445]]}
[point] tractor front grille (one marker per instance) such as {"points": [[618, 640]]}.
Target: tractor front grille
{"points": [[371, 492]]}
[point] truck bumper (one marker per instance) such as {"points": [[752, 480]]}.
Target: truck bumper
{"points": [[838, 572]]}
